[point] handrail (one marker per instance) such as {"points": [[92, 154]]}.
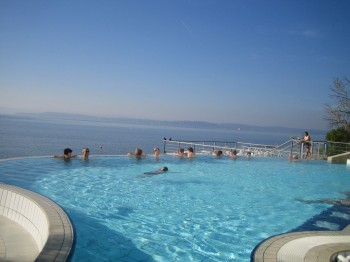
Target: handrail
{"points": [[290, 148]]}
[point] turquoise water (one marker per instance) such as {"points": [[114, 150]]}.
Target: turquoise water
{"points": [[202, 209]]}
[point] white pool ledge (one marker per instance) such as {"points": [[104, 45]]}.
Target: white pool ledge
{"points": [[39, 218]]}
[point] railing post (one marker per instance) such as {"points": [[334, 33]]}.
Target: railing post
{"points": [[325, 151], [164, 147], [302, 151]]}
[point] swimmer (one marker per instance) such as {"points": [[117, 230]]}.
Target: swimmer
{"points": [[181, 152], [85, 152], [67, 154], [249, 155], [157, 172], [156, 152], [294, 157], [138, 153], [217, 153], [190, 152], [233, 154]]}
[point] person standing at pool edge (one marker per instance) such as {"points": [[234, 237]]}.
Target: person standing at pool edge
{"points": [[307, 143]]}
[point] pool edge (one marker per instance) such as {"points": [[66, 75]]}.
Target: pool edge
{"points": [[271, 249], [60, 242]]}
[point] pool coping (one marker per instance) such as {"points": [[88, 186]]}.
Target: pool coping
{"points": [[61, 236], [271, 249]]}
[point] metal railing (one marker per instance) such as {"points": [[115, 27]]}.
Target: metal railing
{"points": [[335, 148], [293, 148], [318, 149]]}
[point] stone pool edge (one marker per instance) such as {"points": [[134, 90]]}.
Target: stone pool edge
{"points": [[270, 250]]}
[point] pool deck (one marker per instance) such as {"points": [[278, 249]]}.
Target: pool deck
{"points": [[17, 242], [307, 246]]}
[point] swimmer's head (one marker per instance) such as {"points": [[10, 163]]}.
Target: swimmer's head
{"points": [[164, 168]]}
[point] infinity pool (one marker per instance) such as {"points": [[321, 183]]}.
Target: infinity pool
{"points": [[202, 209]]}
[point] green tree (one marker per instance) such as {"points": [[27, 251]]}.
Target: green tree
{"points": [[339, 135]]}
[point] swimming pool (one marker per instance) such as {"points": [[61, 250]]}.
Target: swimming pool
{"points": [[202, 209]]}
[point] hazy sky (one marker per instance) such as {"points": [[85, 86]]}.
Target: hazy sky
{"points": [[223, 61]]}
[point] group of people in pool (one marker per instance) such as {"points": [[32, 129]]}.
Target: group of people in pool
{"points": [[189, 153], [181, 152], [232, 154], [68, 153]]}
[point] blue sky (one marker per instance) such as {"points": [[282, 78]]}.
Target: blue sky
{"points": [[235, 61]]}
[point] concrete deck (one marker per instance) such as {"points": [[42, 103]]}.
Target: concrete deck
{"points": [[341, 158], [308, 246]]}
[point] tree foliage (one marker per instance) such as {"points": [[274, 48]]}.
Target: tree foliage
{"points": [[339, 135], [338, 114]]}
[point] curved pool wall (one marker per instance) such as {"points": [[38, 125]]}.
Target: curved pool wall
{"points": [[43, 219]]}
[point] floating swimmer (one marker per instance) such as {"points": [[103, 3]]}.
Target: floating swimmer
{"points": [[157, 172]]}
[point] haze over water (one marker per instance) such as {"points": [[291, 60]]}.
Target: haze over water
{"points": [[22, 136]]}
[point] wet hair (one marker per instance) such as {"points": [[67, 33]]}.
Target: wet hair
{"points": [[164, 168], [66, 151], [138, 151], [85, 149], [190, 149], [181, 150]]}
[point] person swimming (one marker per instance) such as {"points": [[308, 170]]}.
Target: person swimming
{"points": [[138, 153], [67, 154], [157, 172], [181, 152], [156, 152], [190, 152], [217, 153], [85, 153]]}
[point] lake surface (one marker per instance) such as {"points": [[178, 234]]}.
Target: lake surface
{"points": [[43, 136]]}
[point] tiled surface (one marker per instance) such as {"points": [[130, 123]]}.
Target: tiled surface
{"points": [[25, 213], [16, 244], [308, 246], [44, 220]]}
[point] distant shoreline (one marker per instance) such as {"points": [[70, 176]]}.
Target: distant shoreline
{"points": [[163, 123]]}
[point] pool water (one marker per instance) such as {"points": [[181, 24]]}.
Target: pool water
{"points": [[202, 209]]}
